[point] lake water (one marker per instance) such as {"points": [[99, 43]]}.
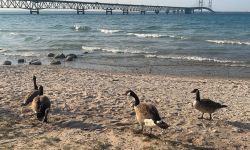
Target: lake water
{"points": [[198, 44]]}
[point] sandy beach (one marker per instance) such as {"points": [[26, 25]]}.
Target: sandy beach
{"points": [[90, 111]]}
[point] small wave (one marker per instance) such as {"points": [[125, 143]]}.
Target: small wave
{"points": [[228, 42], [112, 50], [141, 35], [13, 33], [91, 49], [153, 28], [3, 50], [81, 28], [28, 39], [56, 27], [146, 35], [193, 58], [106, 31]]}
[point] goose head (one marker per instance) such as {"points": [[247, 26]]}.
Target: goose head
{"points": [[195, 91], [136, 101]]}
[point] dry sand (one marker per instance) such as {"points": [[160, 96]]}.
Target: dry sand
{"points": [[89, 111]]}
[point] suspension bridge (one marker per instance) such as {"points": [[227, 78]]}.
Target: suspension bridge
{"points": [[35, 5]]}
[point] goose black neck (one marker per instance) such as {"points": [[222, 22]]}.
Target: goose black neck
{"points": [[198, 96], [35, 86], [137, 101], [40, 91]]}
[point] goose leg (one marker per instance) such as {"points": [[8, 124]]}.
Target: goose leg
{"points": [[45, 116], [201, 116], [210, 117], [150, 130], [142, 127]]}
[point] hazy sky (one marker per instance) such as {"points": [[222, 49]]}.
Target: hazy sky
{"points": [[218, 5]]}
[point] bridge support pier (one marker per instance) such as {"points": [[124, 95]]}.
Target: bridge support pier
{"points": [[157, 12], [167, 11], [80, 11], [109, 11], [143, 12], [189, 10], [34, 11], [125, 11]]}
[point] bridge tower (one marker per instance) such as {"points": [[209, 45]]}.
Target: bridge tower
{"points": [[201, 4], [210, 4]]}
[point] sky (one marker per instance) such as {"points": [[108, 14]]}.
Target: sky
{"points": [[218, 5]]}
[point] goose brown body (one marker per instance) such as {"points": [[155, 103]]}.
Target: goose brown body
{"points": [[41, 105], [205, 105], [145, 112]]}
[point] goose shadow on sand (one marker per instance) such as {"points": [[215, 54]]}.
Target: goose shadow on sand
{"points": [[79, 125], [241, 125]]}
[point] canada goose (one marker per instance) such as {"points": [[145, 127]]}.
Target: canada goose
{"points": [[30, 96], [205, 105], [41, 105], [146, 114]]}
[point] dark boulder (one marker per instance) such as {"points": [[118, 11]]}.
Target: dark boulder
{"points": [[35, 62], [21, 60], [55, 62], [72, 55], [51, 55], [60, 56], [7, 62], [69, 58]]}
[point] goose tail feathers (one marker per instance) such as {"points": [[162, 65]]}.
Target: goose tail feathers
{"points": [[162, 124]]}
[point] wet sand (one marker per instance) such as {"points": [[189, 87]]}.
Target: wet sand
{"points": [[89, 110]]}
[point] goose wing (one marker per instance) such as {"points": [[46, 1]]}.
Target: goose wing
{"points": [[210, 103], [154, 114]]}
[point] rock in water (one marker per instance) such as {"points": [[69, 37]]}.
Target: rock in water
{"points": [[69, 58], [51, 55], [35, 62], [72, 55], [21, 60], [7, 62], [55, 62], [60, 56]]}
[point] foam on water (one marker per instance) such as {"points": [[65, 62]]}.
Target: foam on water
{"points": [[193, 58], [106, 31], [232, 42], [116, 50], [140, 35], [77, 27]]}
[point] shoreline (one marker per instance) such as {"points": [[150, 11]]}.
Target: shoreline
{"points": [[89, 110], [80, 63]]}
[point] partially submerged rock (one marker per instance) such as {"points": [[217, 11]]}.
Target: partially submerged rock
{"points": [[35, 62], [60, 56], [55, 62], [21, 60], [7, 62], [51, 55], [69, 58], [72, 55]]}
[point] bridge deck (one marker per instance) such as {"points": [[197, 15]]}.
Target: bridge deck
{"points": [[36, 5]]}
